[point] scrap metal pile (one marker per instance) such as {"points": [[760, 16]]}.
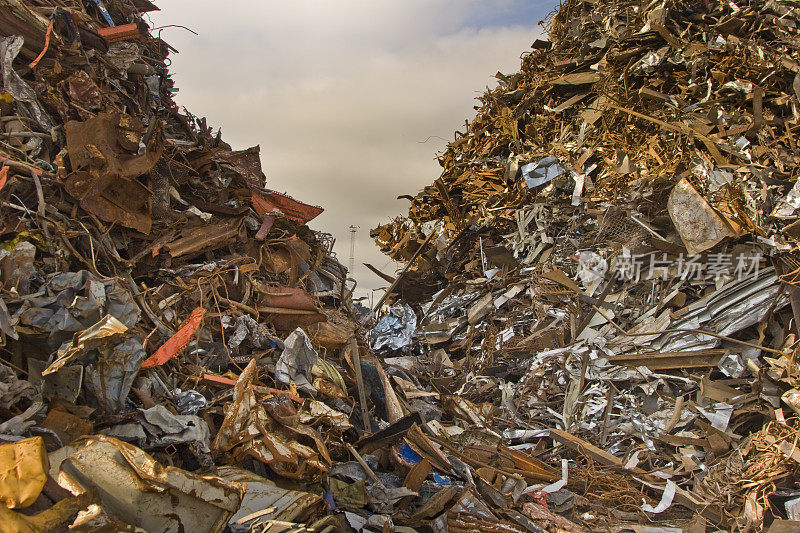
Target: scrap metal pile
{"points": [[596, 329], [171, 329], [605, 276]]}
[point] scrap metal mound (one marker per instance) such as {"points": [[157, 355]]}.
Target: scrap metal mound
{"points": [[606, 273], [172, 331], [595, 331]]}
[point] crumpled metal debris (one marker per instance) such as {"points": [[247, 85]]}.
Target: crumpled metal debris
{"points": [[157, 427], [249, 431], [113, 361], [296, 361], [189, 402], [264, 501], [14, 391], [18, 267], [254, 334], [542, 171], [14, 85], [395, 329], [107, 330], [23, 472], [130, 480], [699, 226], [104, 152], [74, 301]]}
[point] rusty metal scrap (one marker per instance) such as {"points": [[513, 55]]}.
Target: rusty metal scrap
{"points": [[595, 327], [149, 282], [586, 295], [105, 163]]}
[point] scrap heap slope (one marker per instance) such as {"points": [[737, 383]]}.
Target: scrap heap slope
{"points": [[606, 270]]}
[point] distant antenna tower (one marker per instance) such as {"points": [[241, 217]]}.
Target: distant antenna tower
{"points": [[353, 230]]}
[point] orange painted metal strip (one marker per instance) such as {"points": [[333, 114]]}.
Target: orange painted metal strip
{"points": [[221, 380], [177, 342]]}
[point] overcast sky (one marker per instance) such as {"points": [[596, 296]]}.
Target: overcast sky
{"points": [[350, 100]]}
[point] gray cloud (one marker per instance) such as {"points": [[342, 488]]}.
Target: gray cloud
{"points": [[343, 95]]}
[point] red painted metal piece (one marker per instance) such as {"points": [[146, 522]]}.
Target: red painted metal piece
{"points": [[290, 307], [266, 202], [122, 32]]}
